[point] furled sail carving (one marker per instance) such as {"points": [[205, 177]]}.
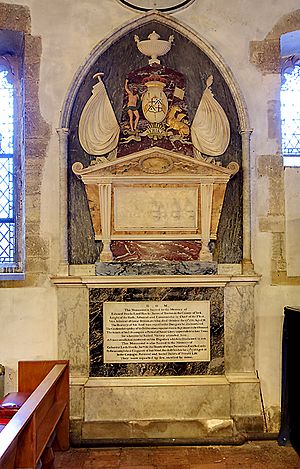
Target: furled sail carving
{"points": [[98, 127], [210, 130]]}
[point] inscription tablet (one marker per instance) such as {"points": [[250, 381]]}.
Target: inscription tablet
{"points": [[151, 331]]}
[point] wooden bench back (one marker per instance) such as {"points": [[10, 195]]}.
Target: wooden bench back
{"points": [[25, 437]]}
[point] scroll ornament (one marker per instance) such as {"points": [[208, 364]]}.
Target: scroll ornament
{"points": [[210, 130], [98, 128]]}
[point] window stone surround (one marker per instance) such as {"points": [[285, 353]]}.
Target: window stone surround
{"points": [[265, 55], [36, 138]]}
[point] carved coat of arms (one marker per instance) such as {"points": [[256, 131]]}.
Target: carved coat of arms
{"points": [[155, 102], [154, 112]]}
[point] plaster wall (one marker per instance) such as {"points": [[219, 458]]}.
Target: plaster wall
{"points": [[28, 328], [69, 30]]}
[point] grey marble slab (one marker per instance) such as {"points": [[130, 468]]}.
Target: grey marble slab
{"points": [[156, 268], [98, 296]]}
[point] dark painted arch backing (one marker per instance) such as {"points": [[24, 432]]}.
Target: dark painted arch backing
{"points": [[116, 61]]}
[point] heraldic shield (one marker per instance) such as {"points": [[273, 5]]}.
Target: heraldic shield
{"points": [[154, 102]]}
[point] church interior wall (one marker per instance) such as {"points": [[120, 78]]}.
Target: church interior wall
{"points": [[59, 37]]}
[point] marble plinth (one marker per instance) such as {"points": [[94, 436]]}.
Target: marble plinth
{"points": [[185, 407], [160, 400], [208, 397], [198, 428]]}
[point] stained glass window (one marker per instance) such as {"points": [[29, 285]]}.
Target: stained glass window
{"points": [[7, 212], [290, 116]]}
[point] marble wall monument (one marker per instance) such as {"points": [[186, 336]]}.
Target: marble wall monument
{"points": [[198, 128], [156, 291]]}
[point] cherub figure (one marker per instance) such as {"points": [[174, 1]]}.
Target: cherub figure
{"points": [[132, 105]]}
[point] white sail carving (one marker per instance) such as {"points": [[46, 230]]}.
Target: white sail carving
{"points": [[98, 127], [210, 130]]}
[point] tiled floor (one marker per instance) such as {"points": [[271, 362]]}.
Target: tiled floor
{"points": [[254, 455]]}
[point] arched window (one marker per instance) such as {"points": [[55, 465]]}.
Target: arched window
{"points": [[290, 98], [11, 166], [7, 150]]}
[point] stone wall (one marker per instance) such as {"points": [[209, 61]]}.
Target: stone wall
{"points": [[61, 37], [36, 138], [28, 306]]}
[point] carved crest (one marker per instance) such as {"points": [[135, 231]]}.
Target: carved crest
{"points": [[155, 102], [154, 109]]}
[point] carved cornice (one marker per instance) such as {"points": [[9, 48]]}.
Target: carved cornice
{"points": [[154, 163]]}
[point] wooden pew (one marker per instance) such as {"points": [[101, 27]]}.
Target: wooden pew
{"points": [[45, 414]]}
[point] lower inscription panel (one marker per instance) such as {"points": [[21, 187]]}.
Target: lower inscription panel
{"points": [[150, 332], [99, 297]]}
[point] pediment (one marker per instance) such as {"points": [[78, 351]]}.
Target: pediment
{"points": [[154, 162]]}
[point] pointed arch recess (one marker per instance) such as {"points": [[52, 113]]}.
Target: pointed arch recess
{"points": [[243, 118]]}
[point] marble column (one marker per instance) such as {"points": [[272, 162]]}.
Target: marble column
{"points": [[247, 262], [206, 209], [105, 214], [63, 134]]}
